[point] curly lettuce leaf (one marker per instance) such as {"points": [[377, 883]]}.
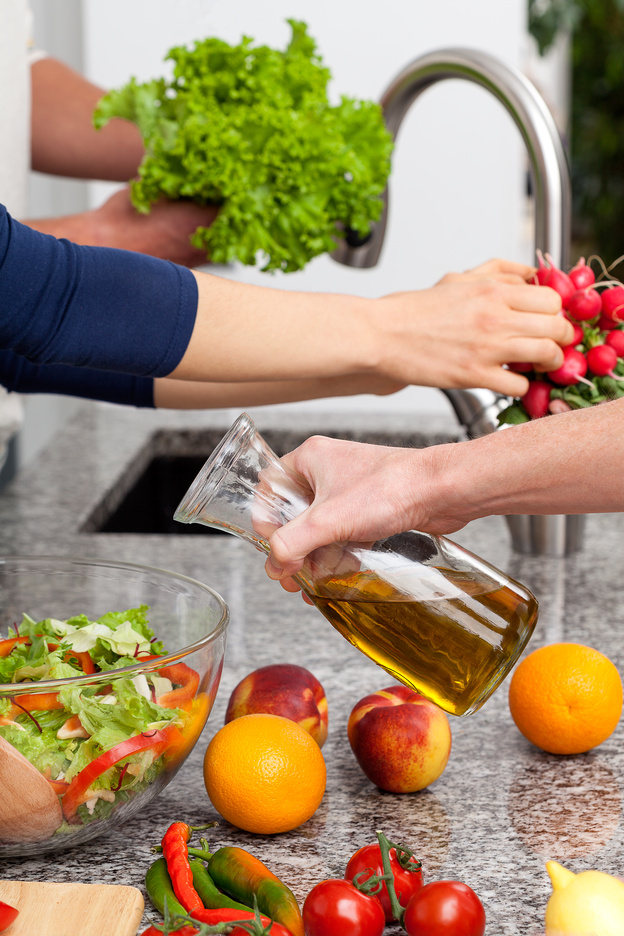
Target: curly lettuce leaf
{"points": [[250, 128]]}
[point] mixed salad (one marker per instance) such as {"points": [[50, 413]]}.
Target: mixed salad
{"points": [[99, 744]]}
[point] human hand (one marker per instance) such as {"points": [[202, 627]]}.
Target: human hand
{"points": [[503, 271], [362, 493], [165, 232], [463, 331]]}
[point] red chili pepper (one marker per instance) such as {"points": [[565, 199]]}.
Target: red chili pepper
{"points": [[174, 845], [8, 915], [185, 931], [229, 914], [222, 915], [75, 795]]}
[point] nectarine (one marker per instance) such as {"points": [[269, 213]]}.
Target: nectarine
{"points": [[401, 740], [282, 689]]}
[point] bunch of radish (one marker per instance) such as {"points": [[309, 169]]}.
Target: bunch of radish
{"points": [[593, 366]]}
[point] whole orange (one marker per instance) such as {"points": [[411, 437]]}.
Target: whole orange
{"points": [[566, 698], [264, 773]]}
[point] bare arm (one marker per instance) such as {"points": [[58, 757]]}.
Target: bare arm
{"points": [[64, 142], [189, 394], [63, 139], [457, 334], [570, 463]]}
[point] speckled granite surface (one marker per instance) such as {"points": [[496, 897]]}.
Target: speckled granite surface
{"points": [[500, 808]]}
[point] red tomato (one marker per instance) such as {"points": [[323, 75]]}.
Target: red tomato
{"points": [[445, 908], [7, 915], [406, 880], [337, 908]]}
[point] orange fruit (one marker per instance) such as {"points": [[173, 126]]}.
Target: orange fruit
{"points": [[264, 773], [566, 698]]}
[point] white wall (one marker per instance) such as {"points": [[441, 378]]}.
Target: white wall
{"points": [[459, 169]]}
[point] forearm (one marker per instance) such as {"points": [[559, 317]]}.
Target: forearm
{"points": [[63, 139], [570, 463], [80, 228], [189, 394], [258, 333]]}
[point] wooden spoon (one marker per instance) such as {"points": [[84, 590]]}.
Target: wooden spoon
{"points": [[29, 808]]}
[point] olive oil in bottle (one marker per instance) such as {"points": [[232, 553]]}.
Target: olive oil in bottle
{"points": [[454, 650], [433, 615]]}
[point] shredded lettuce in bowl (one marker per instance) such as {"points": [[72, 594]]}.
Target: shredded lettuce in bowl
{"points": [[251, 129], [97, 744]]}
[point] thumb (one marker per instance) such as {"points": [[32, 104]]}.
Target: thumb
{"points": [[290, 544]]}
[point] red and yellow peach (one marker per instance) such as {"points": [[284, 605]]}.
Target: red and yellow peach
{"points": [[401, 740], [282, 689]]}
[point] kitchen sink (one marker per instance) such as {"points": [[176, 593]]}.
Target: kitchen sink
{"points": [[144, 498]]}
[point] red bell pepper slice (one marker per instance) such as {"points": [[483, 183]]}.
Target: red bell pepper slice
{"points": [[7, 645], [183, 737], [37, 701], [75, 795], [187, 680]]}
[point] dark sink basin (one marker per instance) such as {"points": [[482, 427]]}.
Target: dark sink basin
{"points": [[144, 498]]}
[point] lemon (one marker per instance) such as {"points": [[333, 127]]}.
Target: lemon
{"points": [[587, 904]]}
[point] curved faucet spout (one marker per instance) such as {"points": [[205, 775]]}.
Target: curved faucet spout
{"points": [[477, 410], [549, 167]]}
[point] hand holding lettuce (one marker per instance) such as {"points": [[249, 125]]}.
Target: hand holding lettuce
{"points": [[251, 129]]}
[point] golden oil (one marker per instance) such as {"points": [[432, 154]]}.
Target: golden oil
{"points": [[453, 650]]}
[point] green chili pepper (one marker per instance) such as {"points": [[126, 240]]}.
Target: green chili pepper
{"points": [[211, 896], [158, 885], [244, 877]]}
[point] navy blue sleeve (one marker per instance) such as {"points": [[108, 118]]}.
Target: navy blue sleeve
{"points": [[96, 307], [17, 373]]}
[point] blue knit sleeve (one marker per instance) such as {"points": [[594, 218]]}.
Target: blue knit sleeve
{"points": [[95, 307], [21, 375]]}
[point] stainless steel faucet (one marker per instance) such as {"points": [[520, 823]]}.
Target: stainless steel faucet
{"points": [[477, 410]]}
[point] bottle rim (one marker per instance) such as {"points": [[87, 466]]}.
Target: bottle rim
{"points": [[214, 469]]}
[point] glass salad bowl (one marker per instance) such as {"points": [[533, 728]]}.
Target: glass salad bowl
{"points": [[108, 672]]}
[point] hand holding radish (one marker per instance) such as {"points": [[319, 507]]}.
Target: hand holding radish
{"points": [[491, 316]]}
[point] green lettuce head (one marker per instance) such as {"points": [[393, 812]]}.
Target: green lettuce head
{"points": [[251, 129]]}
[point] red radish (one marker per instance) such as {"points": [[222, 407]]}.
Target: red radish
{"points": [[615, 340], [579, 335], [601, 360], [572, 370], [582, 275], [537, 398], [520, 367], [613, 303], [605, 324], [562, 284], [584, 304], [543, 272]]}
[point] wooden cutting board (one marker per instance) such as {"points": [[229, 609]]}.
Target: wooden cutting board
{"points": [[47, 909]]}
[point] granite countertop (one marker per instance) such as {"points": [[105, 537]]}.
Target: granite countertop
{"points": [[500, 808]]}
